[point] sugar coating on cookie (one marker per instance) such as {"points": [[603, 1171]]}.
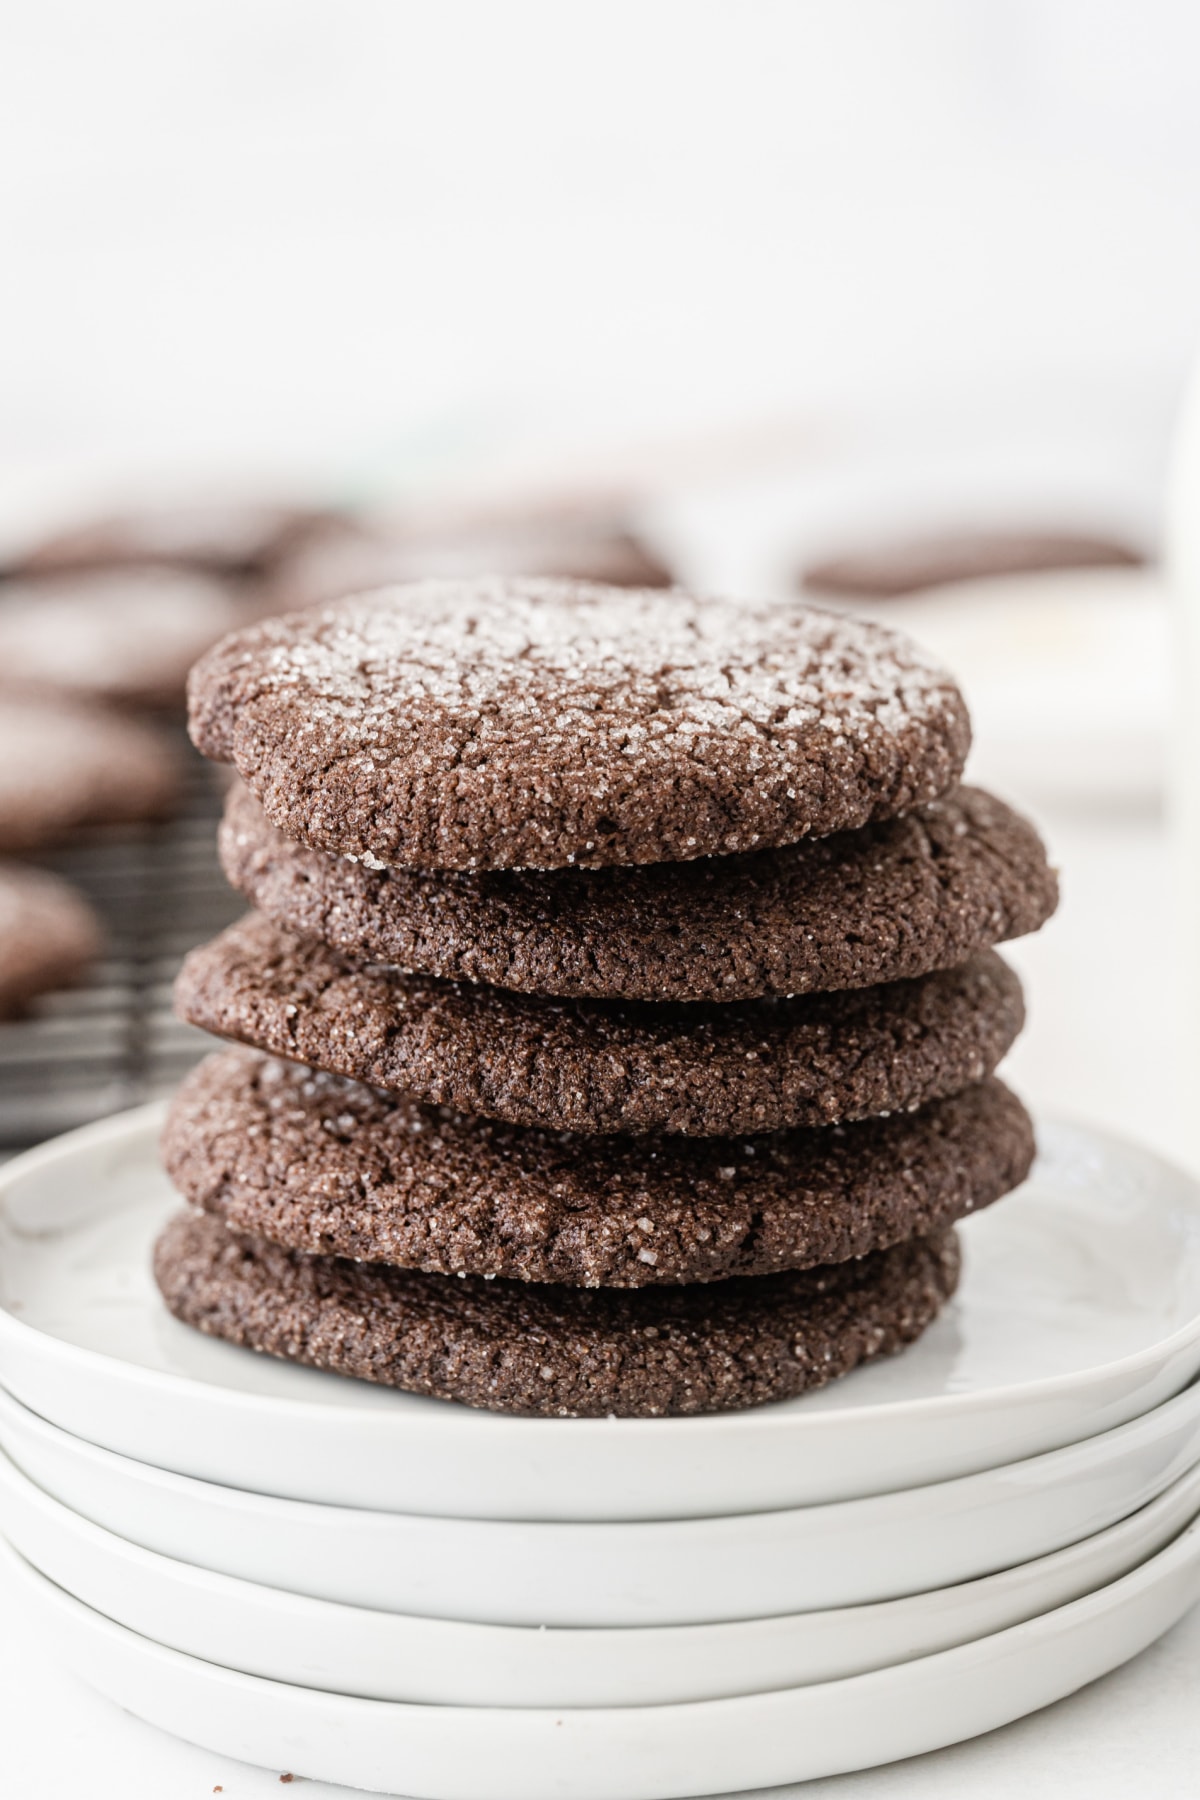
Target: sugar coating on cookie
{"points": [[533, 1348], [884, 903], [543, 724], [602, 1065], [326, 1165], [358, 556]]}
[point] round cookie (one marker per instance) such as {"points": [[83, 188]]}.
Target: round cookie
{"points": [[605, 1065], [357, 557], [64, 766], [325, 1165], [886, 571], [126, 635], [521, 1347], [48, 935], [226, 537], [494, 724], [885, 903]]}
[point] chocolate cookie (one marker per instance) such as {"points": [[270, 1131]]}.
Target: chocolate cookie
{"points": [[491, 724], [321, 1164], [521, 1347], [884, 903], [335, 563], [605, 1065], [127, 635], [48, 935], [226, 537], [886, 571], [63, 766]]}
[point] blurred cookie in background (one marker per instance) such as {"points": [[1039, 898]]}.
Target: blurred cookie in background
{"points": [[49, 935], [65, 766], [911, 565], [232, 538], [127, 635], [1062, 645], [565, 544]]}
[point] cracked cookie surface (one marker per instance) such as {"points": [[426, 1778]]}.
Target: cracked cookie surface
{"points": [[321, 1164], [539, 724], [524, 1347], [885, 903], [604, 1065]]}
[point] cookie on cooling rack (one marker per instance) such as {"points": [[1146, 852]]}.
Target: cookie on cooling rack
{"points": [[227, 537], [360, 555], [888, 570], [127, 636], [48, 935], [64, 766]]}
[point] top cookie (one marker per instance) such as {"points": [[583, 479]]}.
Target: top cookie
{"points": [[513, 724]]}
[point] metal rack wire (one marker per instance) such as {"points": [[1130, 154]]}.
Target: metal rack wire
{"points": [[114, 1042]]}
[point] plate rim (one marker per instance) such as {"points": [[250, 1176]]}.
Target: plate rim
{"points": [[113, 1547], [1183, 1549], [1092, 1453], [452, 1419]]}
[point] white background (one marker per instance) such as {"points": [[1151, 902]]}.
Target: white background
{"points": [[347, 235]]}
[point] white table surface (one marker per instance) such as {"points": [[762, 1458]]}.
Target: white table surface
{"points": [[1105, 1042]]}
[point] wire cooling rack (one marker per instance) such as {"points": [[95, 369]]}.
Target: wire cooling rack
{"points": [[114, 1042]]}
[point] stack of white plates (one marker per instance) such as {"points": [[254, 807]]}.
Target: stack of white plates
{"points": [[384, 1591]]}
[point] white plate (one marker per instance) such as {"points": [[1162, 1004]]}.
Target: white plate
{"points": [[629, 1753], [392, 1656], [655, 1572], [1080, 1309]]}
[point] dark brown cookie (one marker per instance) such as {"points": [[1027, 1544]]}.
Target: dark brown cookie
{"points": [[48, 935], [491, 724], [521, 1347], [329, 1166], [226, 537], [605, 1065], [65, 765], [887, 570], [885, 903], [127, 635], [567, 548]]}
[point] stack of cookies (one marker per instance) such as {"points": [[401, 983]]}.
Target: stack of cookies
{"points": [[619, 1015]]}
